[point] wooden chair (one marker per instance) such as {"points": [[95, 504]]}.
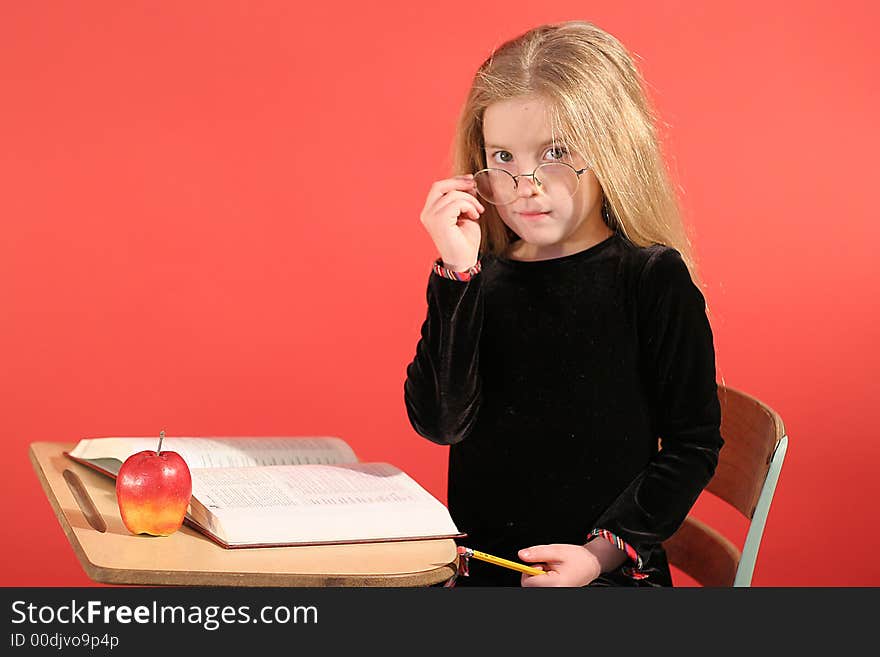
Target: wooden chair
{"points": [[748, 469]]}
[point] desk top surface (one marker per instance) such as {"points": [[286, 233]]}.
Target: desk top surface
{"points": [[189, 558]]}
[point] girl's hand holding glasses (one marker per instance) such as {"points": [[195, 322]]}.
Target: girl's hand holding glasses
{"points": [[451, 217]]}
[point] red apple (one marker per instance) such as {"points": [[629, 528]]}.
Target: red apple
{"points": [[153, 490]]}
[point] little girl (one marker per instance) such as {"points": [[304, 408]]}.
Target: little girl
{"points": [[564, 334]]}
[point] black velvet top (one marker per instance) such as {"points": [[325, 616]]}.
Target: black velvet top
{"points": [[551, 381]]}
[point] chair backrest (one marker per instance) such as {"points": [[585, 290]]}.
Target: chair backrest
{"points": [[746, 475]]}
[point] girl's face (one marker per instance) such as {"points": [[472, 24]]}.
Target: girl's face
{"points": [[516, 135]]}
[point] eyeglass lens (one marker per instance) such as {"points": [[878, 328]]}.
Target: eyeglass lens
{"points": [[499, 188]]}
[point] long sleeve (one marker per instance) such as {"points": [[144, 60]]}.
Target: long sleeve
{"points": [[442, 388], [678, 364]]}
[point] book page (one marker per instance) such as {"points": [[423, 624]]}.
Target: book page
{"points": [[317, 503], [199, 452]]}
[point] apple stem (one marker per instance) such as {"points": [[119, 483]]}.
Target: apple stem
{"points": [[161, 438]]}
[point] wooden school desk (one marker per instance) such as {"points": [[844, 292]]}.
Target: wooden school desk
{"points": [[109, 553]]}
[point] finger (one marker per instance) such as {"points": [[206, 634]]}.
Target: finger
{"points": [[538, 553], [456, 207], [526, 580], [458, 210], [550, 578], [529, 580], [478, 199], [459, 195], [441, 187]]}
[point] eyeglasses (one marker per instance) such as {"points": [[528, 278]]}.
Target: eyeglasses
{"points": [[499, 186]]}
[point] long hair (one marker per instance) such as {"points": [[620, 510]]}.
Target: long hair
{"points": [[597, 107]]}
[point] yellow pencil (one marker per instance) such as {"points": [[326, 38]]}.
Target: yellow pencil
{"points": [[498, 561]]}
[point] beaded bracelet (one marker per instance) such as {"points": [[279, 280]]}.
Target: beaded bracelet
{"points": [[467, 275], [620, 544]]}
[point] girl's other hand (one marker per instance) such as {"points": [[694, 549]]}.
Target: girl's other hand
{"points": [[564, 564], [450, 216]]}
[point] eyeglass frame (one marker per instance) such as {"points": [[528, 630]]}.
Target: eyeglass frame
{"points": [[534, 177]]}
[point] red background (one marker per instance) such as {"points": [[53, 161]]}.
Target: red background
{"points": [[210, 226]]}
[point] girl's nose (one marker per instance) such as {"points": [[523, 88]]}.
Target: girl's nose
{"points": [[526, 186]]}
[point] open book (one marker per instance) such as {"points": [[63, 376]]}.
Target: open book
{"points": [[263, 492]]}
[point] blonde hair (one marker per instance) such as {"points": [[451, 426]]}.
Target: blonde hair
{"points": [[597, 107]]}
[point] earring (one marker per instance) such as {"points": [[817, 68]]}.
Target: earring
{"points": [[606, 213]]}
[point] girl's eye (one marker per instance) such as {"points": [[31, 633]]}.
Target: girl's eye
{"points": [[504, 157]]}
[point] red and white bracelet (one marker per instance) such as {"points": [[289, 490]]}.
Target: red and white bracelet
{"points": [[466, 275], [620, 544]]}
